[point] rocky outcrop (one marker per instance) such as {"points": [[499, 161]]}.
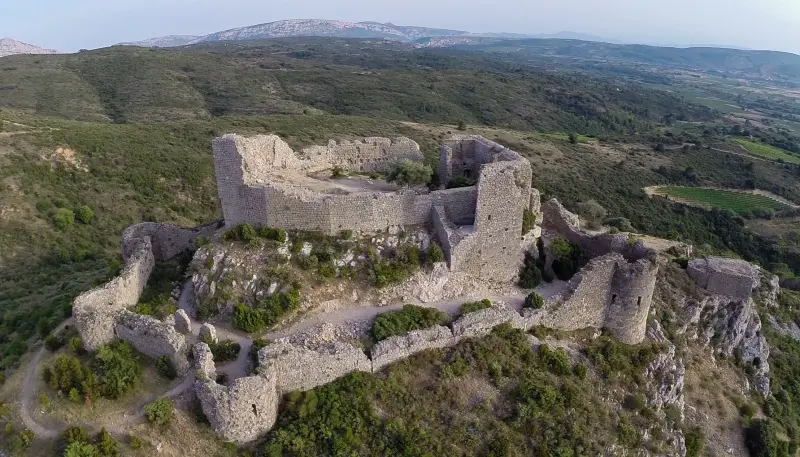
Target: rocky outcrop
{"points": [[182, 322], [208, 333], [204, 362], [733, 328], [666, 374]]}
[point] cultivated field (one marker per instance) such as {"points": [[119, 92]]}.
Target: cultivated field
{"points": [[734, 200], [767, 151]]}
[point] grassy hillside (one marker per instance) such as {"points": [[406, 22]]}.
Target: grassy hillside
{"points": [[367, 78]]}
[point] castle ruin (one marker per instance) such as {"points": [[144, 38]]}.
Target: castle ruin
{"points": [[261, 181]]}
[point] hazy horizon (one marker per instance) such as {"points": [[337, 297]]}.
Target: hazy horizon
{"points": [[72, 25]]}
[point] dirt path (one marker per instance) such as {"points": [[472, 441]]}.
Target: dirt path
{"points": [[237, 368]]}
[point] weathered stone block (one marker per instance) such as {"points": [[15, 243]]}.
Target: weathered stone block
{"points": [[182, 322], [208, 333]]}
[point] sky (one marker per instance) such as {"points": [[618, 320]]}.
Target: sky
{"points": [[69, 25]]}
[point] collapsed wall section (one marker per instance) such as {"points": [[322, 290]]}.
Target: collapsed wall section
{"points": [[153, 338], [400, 347]]}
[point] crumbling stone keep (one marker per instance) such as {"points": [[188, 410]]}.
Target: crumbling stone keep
{"points": [[261, 181], [732, 278]]}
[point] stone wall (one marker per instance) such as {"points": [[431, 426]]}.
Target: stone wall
{"points": [[609, 292], [728, 277], [297, 367], [396, 348], [241, 412], [98, 311]]}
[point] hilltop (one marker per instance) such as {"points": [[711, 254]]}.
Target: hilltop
{"points": [[10, 47]]}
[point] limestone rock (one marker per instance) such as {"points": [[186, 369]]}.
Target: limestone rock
{"points": [[204, 361], [666, 374], [208, 333], [182, 322]]}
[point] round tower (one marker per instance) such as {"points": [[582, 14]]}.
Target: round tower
{"points": [[632, 289]]}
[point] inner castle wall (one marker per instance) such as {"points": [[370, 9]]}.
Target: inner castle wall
{"points": [[251, 190]]}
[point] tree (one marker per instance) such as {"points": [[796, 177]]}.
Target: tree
{"points": [[106, 445], [534, 301], [409, 173], [573, 138], [462, 125], [592, 212], [84, 214], [64, 219]]}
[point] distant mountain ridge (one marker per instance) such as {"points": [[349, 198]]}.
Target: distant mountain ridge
{"points": [[9, 47], [320, 28]]}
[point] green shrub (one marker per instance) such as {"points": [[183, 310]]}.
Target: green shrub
{"points": [[557, 361], [118, 369], [225, 351], [201, 241], [53, 342], [566, 258], [762, 440], [75, 434], [274, 234], [528, 221], [165, 368], [471, 307], [434, 253], [74, 395], [248, 319], [748, 410], [64, 219], [411, 317], [242, 232], [327, 270], [84, 214], [159, 413], [277, 305], [105, 444], [534, 301], [137, 443], [79, 449], [530, 275], [76, 344], [409, 173], [695, 441], [393, 271], [307, 262]]}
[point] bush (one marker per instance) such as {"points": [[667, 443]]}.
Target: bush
{"points": [[76, 344], [566, 258], [74, 395], [106, 445], [327, 270], [530, 276], [242, 232], [307, 262], [528, 221], [64, 219], [471, 307], [762, 440], [411, 317], [557, 361], [53, 342], [409, 173], [274, 234], [118, 369], [79, 449], [534, 301], [201, 241], [461, 126], [159, 413], [277, 305], [84, 214], [75, 434], [434, 254], [392, 271], [225, 351], [695, 441], [165, 368], [248, 319]]}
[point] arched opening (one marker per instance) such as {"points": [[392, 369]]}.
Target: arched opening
{"points": [[639, 301]]}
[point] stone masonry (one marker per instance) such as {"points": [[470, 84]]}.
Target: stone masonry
{"points": [[478, 227], [728, 277]]}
